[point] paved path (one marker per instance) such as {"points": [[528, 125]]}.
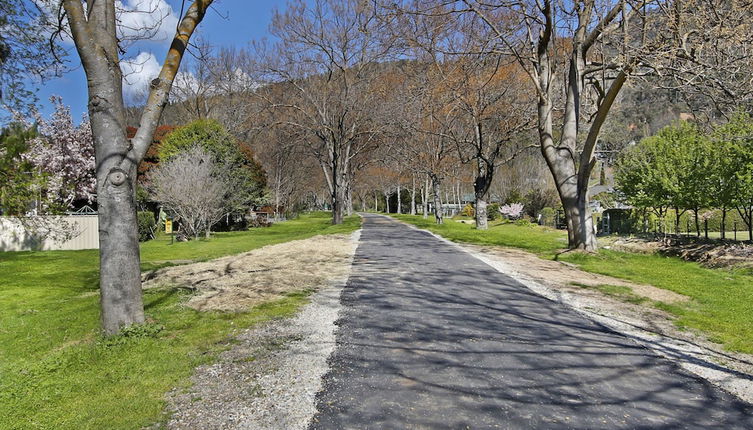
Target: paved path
{"points": [[433, 338]]}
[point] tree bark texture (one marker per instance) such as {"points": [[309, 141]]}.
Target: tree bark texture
{"points": [[481, 214], [413, 197], [117, 158], [425, 199], [436, 190], [481, 186], [399, 203]]}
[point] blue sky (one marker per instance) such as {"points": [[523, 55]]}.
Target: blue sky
{"points": [[232, 23]]}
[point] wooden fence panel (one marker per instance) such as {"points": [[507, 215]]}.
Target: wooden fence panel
{"points": [[15, 237]]}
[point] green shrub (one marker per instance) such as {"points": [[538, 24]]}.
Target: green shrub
{"points": [[468, 211], [548, 216], [147, 225], [492, 211], [524, 222]]}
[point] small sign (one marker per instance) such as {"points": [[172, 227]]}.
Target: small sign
{"points": [[168, 226]]}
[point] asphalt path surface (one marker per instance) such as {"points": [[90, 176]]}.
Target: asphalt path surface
{"points": [[432, 338]]}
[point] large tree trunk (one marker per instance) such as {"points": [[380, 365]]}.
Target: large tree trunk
{"points": [[481, 214], [338, 203], [435, 187], [119, 259], [337, 175], [484, 175], [349, 200], [581, 233]]}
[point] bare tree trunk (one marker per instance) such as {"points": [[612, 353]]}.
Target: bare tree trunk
{"points": [[697, 222], [413, 196], [376, 202], [338, 201], [425, 200], [119, 259], [581, 233], [340, 183], [435, 184], [349, 200], [482, 183], [278, 190], [724, 224], [457, 195], [399, 203], [481, 214]]}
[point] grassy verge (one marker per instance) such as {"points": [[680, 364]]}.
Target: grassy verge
{"points": [[541, 241], [722, 304], [56, 372]]}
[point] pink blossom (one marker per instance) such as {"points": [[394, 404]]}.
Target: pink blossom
{"points": [[65, 152], [513, 210]]}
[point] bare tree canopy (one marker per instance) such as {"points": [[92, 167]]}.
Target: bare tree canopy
{"points": [[26, 52], [707, 54], [325, 67], [192, 186]]}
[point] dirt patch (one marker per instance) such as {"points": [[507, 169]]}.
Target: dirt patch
{"points": [[270, 376], [569, 276], [238, 282]]}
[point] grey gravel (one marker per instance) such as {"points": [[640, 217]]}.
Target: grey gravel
{"points": [[270, 376]]}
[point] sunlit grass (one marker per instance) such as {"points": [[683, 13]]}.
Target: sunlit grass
{"points": [[57, 372]]}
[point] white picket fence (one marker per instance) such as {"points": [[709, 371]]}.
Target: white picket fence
{"points": [[14, 236]]}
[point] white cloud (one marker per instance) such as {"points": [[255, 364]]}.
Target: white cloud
{"points": [[137, 20], [145, 19], [185, 86], [138, 73]]}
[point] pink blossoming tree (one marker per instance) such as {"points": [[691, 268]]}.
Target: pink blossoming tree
{"points": [[64, 152]]}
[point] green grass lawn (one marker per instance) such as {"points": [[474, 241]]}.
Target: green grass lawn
{"points": [[56, 372], [542, 241], [722, 304]]}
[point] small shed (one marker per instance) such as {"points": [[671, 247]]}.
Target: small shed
{"points": [[617, 220]]}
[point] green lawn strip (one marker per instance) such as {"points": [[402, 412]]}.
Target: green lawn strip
{"points": [[722, 299], [157, 252], [56, 372], [532, 238], [620, 292]]}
